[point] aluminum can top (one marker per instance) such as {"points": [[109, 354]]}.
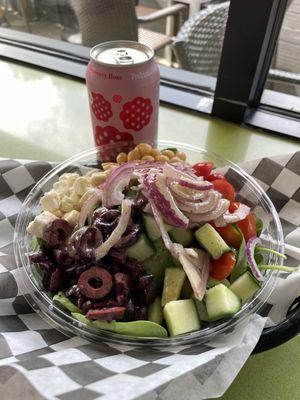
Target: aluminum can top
{"points": [[121, 53]]}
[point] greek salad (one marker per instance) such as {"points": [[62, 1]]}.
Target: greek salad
{"points": [[148, 246]]}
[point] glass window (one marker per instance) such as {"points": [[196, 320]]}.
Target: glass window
{"points": [[187, 35], [284, 73]]}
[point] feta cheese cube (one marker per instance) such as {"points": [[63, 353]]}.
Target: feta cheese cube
{"points": [[50, 201]]}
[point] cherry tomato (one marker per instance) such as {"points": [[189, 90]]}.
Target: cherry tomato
{"points": [[213, 177], [222, 268], [231, 235], [203, 169], [247, 225], [225, 188]]}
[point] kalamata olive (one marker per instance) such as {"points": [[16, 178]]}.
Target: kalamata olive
{"points": [[86, 306], [118, 256], [70, 275], [105, 220], [122, 287], [137, 208], [140, 312], [57, 232], [134, 267], [80, 301], [85, 240], [71, 291], [43, 260], [147, 289], [106, 303], [56, 280], [62, 256], [95, 276], [129, 238], [106, 314]]}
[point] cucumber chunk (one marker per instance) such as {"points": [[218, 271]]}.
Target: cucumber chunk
{"points": [[245, 286], [182, 236], [155, 312], [151, 227], [213, 282], [141, 250], [221, 302], [202, 312], [181, 317], [210, 239], [174, 279]]}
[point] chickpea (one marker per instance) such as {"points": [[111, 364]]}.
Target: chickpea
{"points": [[148, 158], [144, 149], [107, 166], [91, 172], [134, 155], [154, 153], [121, 158], [161, 158], [168, 153], [181, 155], [98, 178], [175, 159]]}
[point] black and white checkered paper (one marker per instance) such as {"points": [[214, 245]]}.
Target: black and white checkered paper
{"points": [[42, 363]]}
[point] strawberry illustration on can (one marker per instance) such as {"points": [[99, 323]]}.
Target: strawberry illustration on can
{"points": [[123, 86]]}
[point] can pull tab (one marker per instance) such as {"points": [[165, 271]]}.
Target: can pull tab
{"points": [[123, 57]]}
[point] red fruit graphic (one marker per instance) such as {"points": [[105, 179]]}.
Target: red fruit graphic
{"points": [[112, 142], [117, 98], [136, 113], [101, 107]]}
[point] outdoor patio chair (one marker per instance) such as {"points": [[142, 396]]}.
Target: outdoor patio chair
{"points": [[198, 44], [104, 20]]}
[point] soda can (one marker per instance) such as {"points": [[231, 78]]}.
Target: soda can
{"points": [[123, 87]]}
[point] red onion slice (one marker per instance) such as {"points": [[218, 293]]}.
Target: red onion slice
{"points": [[115, 183], [175, 173], [203, 207], [88, 205], [230, 218], [197, 185], [196, 269], [254, 241], [221, 208], [182, 193], [117, 233], [164, 201]]}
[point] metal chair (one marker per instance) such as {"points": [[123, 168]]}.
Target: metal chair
{"points": [[198, 44], [103, 20]]}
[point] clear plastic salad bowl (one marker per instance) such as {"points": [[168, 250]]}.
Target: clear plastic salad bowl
{"points": [[248, 190]]}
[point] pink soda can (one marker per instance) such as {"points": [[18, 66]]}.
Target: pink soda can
{"points": [[123, 87]]}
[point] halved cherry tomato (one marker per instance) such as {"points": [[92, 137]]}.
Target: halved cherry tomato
{"points": [[222, 268], [231, 235], [203, 169], [247, 225], [225, 188], [213, 177]]}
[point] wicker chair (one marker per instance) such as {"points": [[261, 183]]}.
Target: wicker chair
{"points": [[104, 20], [198, 45]]}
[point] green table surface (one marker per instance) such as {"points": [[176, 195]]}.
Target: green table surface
{"points": [[45, 116]]}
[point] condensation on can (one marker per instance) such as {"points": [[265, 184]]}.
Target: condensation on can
{"points": [[123, 86]]}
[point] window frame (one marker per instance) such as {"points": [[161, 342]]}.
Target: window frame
{"points": [[244, 103]]}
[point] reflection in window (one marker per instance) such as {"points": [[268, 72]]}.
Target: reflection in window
{"points": [[284, 75], [185, 34]]}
